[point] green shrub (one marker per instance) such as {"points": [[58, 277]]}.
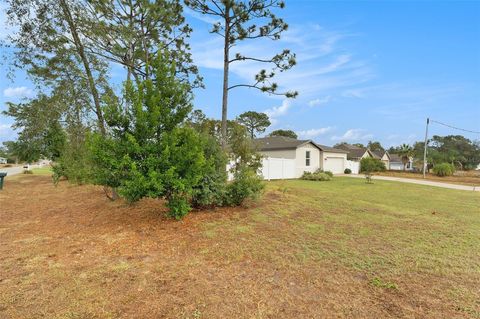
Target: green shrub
{"points": [[27, 171], [178, 206], [371, 165], [317, 176], [246, 185], [211, 191], [325, 172], [443, 169], [347, 171]]}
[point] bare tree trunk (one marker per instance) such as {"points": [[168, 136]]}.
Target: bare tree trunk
{"points": [[226, 64], [86, 64]]}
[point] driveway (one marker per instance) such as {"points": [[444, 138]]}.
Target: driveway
{"points": [[420, 182], [15, 170]]}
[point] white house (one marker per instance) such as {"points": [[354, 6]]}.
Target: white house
{"points": [[396, 163], [383, 156], [3, 160], [287, 157]]}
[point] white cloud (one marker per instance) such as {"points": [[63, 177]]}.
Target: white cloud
{"points": [[323, 65], [277, 111], [353, 135], [319, 101], [314, 132], [202, 17], [16, 92]]}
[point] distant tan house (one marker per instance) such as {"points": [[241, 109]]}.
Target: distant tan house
{"points": [[356, 153], [384, 156], [396, 163]]}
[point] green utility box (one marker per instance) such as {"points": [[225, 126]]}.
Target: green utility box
{"points": [[2, 176]]}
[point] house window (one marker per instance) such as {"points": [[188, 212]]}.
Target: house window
{"points": [[307, 158]]}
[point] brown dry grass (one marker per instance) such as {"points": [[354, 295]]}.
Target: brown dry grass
{"points": [[470, 178], [304, 251]]}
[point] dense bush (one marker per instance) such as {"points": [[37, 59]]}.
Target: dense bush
{"points": [[371, 165], [151, 152], [211, 190], [317, 176], [74, 163], [245, 185], [444, 169], [347, 171]]}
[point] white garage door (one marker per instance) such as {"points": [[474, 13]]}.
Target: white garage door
{"points": [[334, 164]]}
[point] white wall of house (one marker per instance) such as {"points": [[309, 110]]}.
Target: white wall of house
{"points": [[333, 162], [396, 166], [291, 154], [386, 161], [301, 159]]}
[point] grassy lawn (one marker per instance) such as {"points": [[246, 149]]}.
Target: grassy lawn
{"points": [[339, 249], [47, 170]]}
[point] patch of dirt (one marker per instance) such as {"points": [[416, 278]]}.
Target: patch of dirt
{"points": [[68, 252]]}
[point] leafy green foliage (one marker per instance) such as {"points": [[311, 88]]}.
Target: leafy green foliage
{"points": [[148, 154], [371, 165], [286, 133], [444, 169], [211, 190], [317, 176], [246, 185], [255, 122], [405, 152], [347, 171], [375, 146]]}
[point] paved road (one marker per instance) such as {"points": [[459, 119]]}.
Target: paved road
{"points": [[421, 182], [15, 170]]}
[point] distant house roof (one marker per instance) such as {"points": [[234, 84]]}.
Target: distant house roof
{"points": [[272, 143], [355, 152], [395, 158], [378, 154], [330, 149]]}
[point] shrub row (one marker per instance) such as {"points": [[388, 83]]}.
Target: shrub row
{"points": [[318, 175]]}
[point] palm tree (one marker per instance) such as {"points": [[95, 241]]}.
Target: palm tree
{"points": [[405, 151]]}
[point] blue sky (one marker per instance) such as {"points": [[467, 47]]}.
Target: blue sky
{"points": [[367, 70]]}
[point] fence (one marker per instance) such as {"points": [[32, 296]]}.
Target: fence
{"points": [[278, 168], [272, 168], [353, 166]]}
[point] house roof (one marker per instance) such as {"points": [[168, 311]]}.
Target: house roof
{"points": [[279, 143], [378, 154], [330, 149], [395, 158], [354, 151], [285, 143]]}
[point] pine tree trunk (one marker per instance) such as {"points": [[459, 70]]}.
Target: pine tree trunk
{"points": [[86, 65], [226, 64]]}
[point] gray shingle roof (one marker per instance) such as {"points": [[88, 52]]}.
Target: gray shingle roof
{"points": [[330, 149], [353, 151], [278, 143], [284, 143], [395, 158]]}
